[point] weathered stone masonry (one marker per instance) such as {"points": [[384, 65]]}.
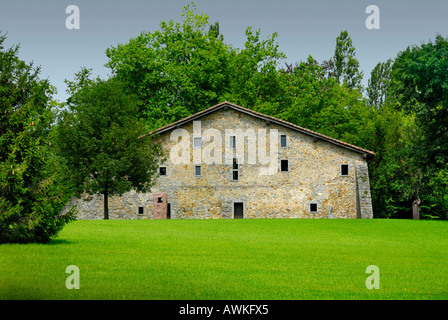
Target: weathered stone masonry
{"points": [[312, 185]]}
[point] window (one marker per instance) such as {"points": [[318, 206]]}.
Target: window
{"points": [[197, 142], [162, 171], [140, 210], [235, 172], [283, 143], [344, 169], [313, 207], [232, 142], [197, 170], [284, 165], [159, 200]]}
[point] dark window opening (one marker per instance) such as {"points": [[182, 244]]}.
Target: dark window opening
{"points": [[197, 170], [313, 207], [344, 169], [284, 165], [140, 210], [162, 171], [235, 172], [159, 200]]}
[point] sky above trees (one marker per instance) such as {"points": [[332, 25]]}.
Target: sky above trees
{"points": [[304, 28]]}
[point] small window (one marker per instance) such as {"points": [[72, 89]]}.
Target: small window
{"points": [[159, 200], [344, 169], [284, 165], [313, 207], [235, 163], [235, 172], [197, 142], [232, 142], [140, 210], [162, 171], [283, 141], [197, 170]]}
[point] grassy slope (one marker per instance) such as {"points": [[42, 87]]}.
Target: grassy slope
{"points": [[232, 259]]}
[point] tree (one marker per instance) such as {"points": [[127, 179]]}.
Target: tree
{"points": [[344, 65], [320, 103], [419, 85], [378, 83], [175, 71], [99, 135], [32, 189], [186, 67]]}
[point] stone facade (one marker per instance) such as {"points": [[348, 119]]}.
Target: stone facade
{"points": [[322, 174]]}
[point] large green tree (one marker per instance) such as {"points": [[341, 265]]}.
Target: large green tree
{"points": [[378, 83], [320, 103], [419, 86], [32, 189], [100, 136], [185, 67], [344, 65]]}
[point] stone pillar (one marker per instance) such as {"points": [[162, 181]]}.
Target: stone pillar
{"points": [[363, 196]]}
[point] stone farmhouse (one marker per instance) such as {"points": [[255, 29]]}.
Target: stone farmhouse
{"points": [[229, 162]]}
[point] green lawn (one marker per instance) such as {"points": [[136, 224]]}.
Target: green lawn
{"points": [[232, 259]]}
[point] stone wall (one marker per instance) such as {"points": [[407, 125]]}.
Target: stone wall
{"points": [[314, 176]]}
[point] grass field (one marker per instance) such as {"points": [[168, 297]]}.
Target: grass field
{"points": [[232, 259]]}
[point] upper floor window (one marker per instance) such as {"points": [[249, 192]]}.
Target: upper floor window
{"points": [[198, 170], [284, 165], [232, 142], [344, 169], [197, 142], [235, 172], [283, 141], [162, 171]]}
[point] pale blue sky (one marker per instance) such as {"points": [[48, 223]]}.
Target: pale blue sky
{"points": [[304, 27]]}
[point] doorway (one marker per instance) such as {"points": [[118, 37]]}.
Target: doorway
{"points": [[238, 210]]}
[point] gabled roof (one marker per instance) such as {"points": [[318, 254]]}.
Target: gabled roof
{"points": [[367, 154]]}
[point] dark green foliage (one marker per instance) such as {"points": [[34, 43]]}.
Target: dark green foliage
{"points": [[32, 189], [420, 87], [99, 135]]}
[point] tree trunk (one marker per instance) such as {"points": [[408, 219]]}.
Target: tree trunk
{"points": [[106, 205]]}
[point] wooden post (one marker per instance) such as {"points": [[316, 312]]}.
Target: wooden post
{"points": [[415, 209]]}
